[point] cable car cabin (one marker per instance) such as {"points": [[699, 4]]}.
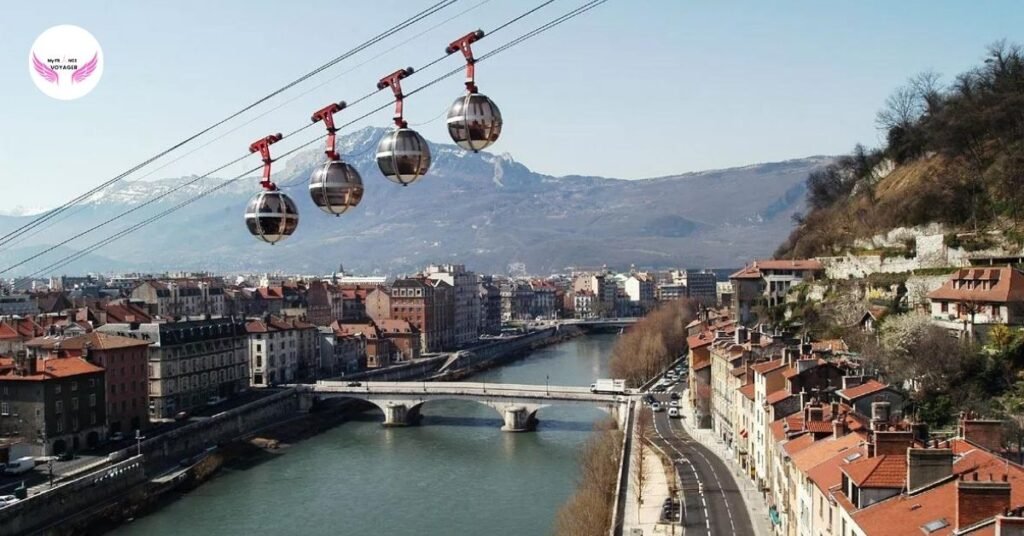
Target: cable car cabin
{"points": [[474, 122], [271, 216], [403, 156], [336, 187]]}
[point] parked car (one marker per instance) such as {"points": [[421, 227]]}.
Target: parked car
{"points": [[354, 384], [117, 436], [66, 456], [181, 416], [7, 500]]}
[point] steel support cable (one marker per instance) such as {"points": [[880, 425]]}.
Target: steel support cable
{"points": [[170, 191], [99, 244], [379, 37], [80, 208]]}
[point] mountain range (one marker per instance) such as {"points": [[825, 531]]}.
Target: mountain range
{"points": [[481, 209]]}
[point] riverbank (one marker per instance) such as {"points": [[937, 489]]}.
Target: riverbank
{"points": [[231, 441]]}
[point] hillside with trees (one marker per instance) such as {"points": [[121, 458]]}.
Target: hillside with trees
{"points": [[953, 154]]}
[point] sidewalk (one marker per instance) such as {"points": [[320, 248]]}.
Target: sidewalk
{"points": [[656, 490], [754, 500]]}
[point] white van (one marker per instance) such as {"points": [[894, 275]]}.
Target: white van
{"points": [[673, 413], [19, 466]]}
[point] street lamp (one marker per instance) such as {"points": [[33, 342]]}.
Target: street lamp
{"points": [[138, 442], [547, 388]]}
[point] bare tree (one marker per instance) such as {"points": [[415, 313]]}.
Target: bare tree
{"points": [[641, 471], [902, 109]]}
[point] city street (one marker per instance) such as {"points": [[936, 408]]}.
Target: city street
{"points": [[712, 499]]}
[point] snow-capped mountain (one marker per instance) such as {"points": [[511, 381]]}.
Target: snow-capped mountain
{"points": [[482, 209]]}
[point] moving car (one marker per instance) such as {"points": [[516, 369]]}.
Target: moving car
{"points": [[19, 466], [610, 386], [673, 413], [674, 403], [675, 396], [353, 384], [656, 407]]}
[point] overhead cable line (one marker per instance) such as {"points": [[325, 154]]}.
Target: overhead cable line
{"points": [[103, 242], [9, 244], [379, 37]]}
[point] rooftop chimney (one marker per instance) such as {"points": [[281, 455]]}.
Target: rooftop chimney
{"points": [[927, 466], [814, 412], [755, 338], [806, 364], [978, 500], [741, 335], [791, 355], [920, 431], [721, 334], [892, 443], [805, 348], [879, 414], [985, 433], [839, 427], [852, 381], [1010, 524]]}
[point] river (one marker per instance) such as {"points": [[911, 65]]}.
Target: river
{"points": [[456, 474]]}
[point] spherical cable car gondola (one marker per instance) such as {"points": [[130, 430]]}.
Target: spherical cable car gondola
{"points": [[474, 121], [335, 186], [271, 215], [403, 156]]}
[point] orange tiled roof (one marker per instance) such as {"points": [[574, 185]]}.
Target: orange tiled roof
{"points": [[48, 369], [828, 474], [778, 396], [747, 390], [753, 270], [885, 471], [95, 339], [862, 390], [819, 451], [700, 340], [818, 427], [768, 366], [993, 285]]}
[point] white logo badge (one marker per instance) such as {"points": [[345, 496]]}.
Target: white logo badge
{"points": [[65, 62]]}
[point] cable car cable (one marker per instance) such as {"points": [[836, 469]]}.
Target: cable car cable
{"points": [[379, 37], [97, 245], [27, 235], [360, 99]]}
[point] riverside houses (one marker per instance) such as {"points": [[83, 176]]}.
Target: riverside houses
{"points": [[191, 361], [55, 404]]}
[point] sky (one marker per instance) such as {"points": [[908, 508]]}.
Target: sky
{"points": [[632, 89]]}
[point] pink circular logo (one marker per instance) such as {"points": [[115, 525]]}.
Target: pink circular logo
{"points": [[65, 62]]}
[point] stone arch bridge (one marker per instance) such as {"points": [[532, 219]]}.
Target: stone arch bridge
{"points": [[517, 404]]}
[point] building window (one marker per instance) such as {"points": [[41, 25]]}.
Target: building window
{"points": [[56, 389], [5, 408], [92, 417], [60, 423], [92, 401], [74, 404], [59, 407]]}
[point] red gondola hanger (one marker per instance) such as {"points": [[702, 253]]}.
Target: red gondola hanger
{"points": [[263, 147], [326, 114], [463, 43], [393, 81]]}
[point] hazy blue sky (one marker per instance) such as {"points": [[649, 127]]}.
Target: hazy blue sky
{"points": [[633, 89]]}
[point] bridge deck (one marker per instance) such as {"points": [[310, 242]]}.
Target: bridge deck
{"points": [[466, 389]]}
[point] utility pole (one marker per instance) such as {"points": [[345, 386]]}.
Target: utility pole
{"points": [[547, 387], [138, 442]]}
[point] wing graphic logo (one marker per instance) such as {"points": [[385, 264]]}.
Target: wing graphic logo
{"points": [[44, 70], [83, 72], [57, 62]]}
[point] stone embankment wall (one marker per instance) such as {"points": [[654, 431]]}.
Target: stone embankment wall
{"points": [[414, 370], [67, 499]]}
